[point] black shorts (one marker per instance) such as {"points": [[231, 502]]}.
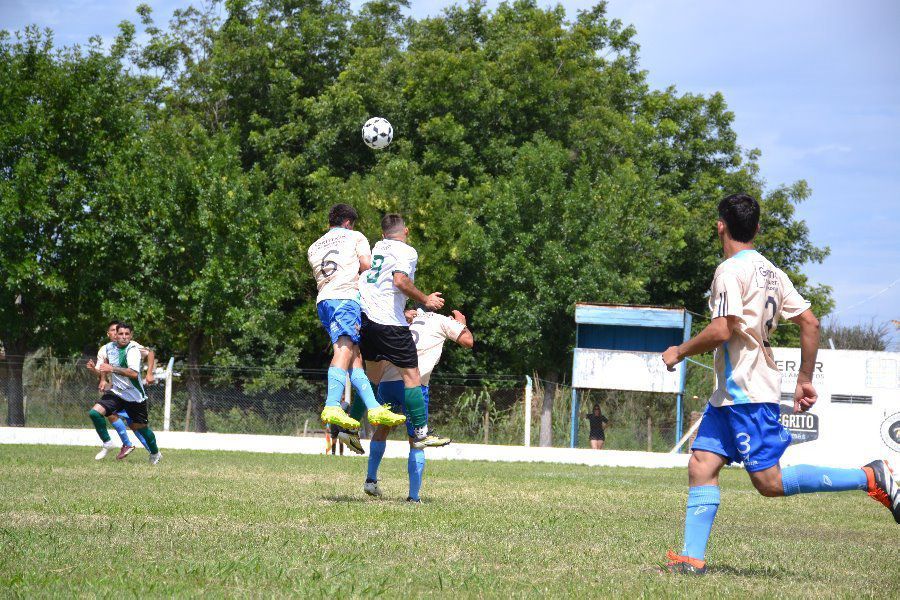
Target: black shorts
{"points": [[112, 404], [393, 343]]}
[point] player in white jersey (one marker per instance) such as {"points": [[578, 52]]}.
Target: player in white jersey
{"points": [[429, 331], [741, 422], [116, 419], [337, 258], [126, 390], [385, 336]]}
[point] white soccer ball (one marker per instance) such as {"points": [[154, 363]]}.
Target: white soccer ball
{"points": [[377, 133]]}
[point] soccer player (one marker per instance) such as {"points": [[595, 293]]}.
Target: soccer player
{"points": [[429, 330], [126, 391], [741, 422], [120, 420], [385, 334], [337, 258]]}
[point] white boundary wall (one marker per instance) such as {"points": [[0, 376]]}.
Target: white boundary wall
{"points": [[845, 435], [316, 445]]}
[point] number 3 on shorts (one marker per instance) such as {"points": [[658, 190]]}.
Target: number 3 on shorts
{"points": [[743, 443]]}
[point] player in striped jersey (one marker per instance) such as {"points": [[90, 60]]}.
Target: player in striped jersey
{"points": [[126, 390], [741, 422], [120, 420]]}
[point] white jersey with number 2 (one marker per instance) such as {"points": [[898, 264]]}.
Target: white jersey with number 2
{"points": [[334, 259], [751, 288], [382, 302]]}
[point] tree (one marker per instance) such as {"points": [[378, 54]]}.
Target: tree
{"points": [[863, 336], [62, 117], [208, 251]]}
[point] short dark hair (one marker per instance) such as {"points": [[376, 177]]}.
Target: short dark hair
{"points": [[340, 213], [740, 213], [113, 322], [125, 326], [391, 223]]}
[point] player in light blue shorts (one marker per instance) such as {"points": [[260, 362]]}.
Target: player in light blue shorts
{"points": [[339, 318], [336, 259], [741, 422]]}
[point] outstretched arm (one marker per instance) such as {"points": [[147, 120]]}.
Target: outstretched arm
{"points": [[431, 301], [713, 335]]}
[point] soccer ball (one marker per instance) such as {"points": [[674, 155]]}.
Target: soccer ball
{"points": [[377, 133]]}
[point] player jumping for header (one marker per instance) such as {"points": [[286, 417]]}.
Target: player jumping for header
{"points": [[385, 333], [741, 422], [337, 258]]}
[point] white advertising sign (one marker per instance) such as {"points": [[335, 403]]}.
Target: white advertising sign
{"points": [[621, 370], [857, 416]]}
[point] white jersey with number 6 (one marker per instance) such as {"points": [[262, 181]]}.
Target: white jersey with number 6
{"points": [[382, 302], [751, 288], [334, 259]]}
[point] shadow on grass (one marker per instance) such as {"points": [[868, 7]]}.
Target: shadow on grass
{"points": [[343, 498], [777, 573]]}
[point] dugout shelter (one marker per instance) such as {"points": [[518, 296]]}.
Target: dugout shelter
{"points": [[618, 347]]}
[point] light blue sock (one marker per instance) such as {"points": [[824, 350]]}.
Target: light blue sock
{"points": [[376, 452], [363, 388], [415, 466], [805, 479], [337, 381], [702, 505], [141, 439], [122, 430]]}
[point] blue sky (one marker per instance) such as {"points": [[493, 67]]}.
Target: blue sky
{"points": [[815, 85]]}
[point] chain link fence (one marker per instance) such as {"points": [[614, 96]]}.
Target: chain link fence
{"points": [[487, 409]]}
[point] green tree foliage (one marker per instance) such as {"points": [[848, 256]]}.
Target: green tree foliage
{"points": [[533, 162], [63, 115]]}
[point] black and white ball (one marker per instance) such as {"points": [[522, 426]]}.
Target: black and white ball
{"points": [[377, 133]]}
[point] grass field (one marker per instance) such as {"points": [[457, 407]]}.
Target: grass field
{"points": [[217, 523]]}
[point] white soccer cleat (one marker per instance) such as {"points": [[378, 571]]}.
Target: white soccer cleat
{"points": [[371, 488], [155, 458], [104, 450]]}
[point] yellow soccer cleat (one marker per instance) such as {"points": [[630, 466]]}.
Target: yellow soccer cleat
{"points": [[335, 415], [384, 416]]}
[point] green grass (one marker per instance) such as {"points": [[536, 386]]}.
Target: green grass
{"points": [[239, 524]]}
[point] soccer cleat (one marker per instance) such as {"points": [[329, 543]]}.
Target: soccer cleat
{"points": [[155, 458], [684, 565], [430, 440], [335, 415], [104, 450], [384, 416], [412, 500], [125, 451], [351, 439], [882, 486], [371, 488]]}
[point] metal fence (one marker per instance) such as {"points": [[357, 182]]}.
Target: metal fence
{"points": [[472, 408]]}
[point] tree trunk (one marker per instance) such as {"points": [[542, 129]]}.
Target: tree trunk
{"points": [[195, 394], [15, 397], [547, 408]]}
